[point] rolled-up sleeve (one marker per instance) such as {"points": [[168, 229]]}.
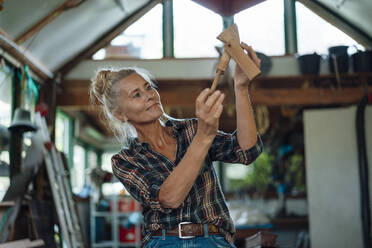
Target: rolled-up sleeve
{"points": [[225, 148], [143, 185]]}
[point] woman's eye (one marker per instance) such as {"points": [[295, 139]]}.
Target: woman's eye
{"points": [[148, 87], [136, 95]]}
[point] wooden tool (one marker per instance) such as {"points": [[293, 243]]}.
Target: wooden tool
{"points": [[222, 65], [231, 40]]}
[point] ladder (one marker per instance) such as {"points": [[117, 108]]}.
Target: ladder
{"points": [[62, 196]]}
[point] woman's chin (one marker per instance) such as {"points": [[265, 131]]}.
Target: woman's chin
{"points": [[149, 119]]}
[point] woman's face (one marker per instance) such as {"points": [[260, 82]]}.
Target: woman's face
{"points": [[139, 101]]}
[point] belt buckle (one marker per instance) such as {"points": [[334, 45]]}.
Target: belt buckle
{"points": [[180, 231]]}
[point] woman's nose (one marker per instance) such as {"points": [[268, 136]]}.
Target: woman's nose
{"points": [[149, 95]]}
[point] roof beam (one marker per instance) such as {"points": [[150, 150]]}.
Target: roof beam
{"points": [[19, 54], [338, 21], [47, 19], [312, 96], [179, 96], [106, 38]]}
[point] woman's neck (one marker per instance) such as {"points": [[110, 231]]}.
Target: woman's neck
{"points": [[153, 133]]}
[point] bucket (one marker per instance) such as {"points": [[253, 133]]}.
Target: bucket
{"points": [[362, 61], [338, 55], [309, 63]]}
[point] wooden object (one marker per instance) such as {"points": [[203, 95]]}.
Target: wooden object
{"points": [[221, 67], [261, 239], [231, 40], [41, 218], [8, 218], [23, 243], [24, 57], [185, 96]]}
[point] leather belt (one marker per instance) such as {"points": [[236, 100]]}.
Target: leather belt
{"points": [[188, 230]]}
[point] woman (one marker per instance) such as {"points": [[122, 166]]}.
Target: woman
{"points": [[167, 165]]}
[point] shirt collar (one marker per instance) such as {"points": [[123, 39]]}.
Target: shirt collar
{"points": [[176, 124]]}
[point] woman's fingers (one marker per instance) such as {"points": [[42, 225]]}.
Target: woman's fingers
{"points": [[251, 53], [202, 97], [212, 99], [209, 106], [217, 109]]}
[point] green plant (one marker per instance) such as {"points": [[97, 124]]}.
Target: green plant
{"points": [[259, 175]]}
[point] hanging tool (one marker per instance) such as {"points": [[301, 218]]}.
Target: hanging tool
{"points": [[221, 67]]}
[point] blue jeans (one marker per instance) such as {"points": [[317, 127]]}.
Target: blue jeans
{"points": [[207, 241]]}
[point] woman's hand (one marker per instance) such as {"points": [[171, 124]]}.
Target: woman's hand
{"points": [[208, 111], [240, 79]]}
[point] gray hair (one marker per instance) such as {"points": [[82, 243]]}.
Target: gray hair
{"points": [[104, 90]]}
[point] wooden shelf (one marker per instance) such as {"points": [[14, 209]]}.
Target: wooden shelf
{"points": [[290, 223]]}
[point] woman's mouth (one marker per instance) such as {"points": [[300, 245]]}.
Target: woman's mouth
{"points": [[152, 105]]}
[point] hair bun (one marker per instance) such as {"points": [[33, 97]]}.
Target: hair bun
{"points": [[102, 82]]}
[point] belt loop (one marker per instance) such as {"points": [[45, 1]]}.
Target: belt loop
{"points": [[206, 231], [163, 234]]}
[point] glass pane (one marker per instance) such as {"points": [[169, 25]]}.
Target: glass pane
{"points": [[92, 159], [262, 27], [106, 161], [4, 157], [77, 172], [5, 96], [59, 132], [143, 39], [4, 185], [4, 172], [315, 34], [195, 30], [62, 133]]}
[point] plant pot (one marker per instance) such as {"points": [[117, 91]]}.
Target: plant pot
{"points": [[362, 61], [309, 63], [338, 55]]}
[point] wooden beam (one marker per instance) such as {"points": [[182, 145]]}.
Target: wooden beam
{"points": [[46, 20], [106, 38], [23, 57], [75, 94], [346, 26], [313, 96]]}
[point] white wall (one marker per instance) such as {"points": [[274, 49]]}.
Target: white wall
{"points": [[332, 176]]}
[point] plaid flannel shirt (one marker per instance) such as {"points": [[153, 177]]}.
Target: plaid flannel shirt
{"points": [[143, 170]]}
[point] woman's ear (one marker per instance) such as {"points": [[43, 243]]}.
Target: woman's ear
{"points": [[121, 116]]}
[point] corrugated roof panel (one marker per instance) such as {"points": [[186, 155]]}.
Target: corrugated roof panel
{"points": [[19, 15]]}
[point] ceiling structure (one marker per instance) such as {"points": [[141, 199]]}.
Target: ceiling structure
{"points": [[227, 7], [69, 32], [74, 29], [59, 37]]}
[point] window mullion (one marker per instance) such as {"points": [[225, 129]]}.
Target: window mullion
{"points": [[168, 33], [290, 29]]}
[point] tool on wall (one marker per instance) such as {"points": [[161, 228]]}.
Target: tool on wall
{"points": [[231, 40]]}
